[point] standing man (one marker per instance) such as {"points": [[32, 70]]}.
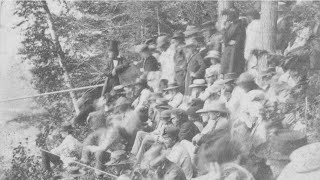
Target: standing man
{"points": [[179, 59], [115, 66]]}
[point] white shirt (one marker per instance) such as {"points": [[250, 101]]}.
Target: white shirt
{"points": [[176, 100]]}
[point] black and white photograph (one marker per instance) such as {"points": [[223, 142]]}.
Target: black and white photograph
{"points": [[160, 90]]}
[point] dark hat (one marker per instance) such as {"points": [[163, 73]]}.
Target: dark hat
{"points": [[245, 77], [73, 172], [171, 132], [192, 111], [229, 77], [196, 102], [162, 103], [191, 30], [173, 85], [150, 41], [66, 126], [113, 45], [165, 114], [177, 35], [281, 145]]}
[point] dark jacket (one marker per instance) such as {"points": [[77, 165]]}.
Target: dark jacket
{"points": [[196, 65], [232, 60], [187, 131], [180, 67], [150, 64]]}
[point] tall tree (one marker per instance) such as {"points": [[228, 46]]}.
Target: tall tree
{"points": [[269, 15], [61, 55]]}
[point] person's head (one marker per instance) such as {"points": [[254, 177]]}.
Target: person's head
{"points": [[163, 43], [173, 88], [179, 116], [163, 84], [165, 116], [122, 105], [197, 86], [253, 15], [220, 149], [231, 14], [170, 136], [66, 129], [177, 39]]}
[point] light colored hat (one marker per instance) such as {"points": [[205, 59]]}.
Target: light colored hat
{"points": [[214, 106], [191, 30], [305, 164], [162, 40], [177, 35], [73, 172], [140, 48], [213, 54], [229, 77], [198, 83], [191, 42], [173, 85], [245, 77]]}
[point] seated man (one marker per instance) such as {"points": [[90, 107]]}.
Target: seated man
{"points": [[175, 152], [143, 139], [66, 152], [144, 94], [175, 97], [197, 88]]}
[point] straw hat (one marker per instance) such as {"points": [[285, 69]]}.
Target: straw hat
{"points": [[213, 54], [198, 83], [116, 156], [215, 106], [191, 30], [245, 77], [191, 42], [73, 172], [173, 85], [229, 77], [305, 164], [165, 114], [140, 48], [162, 103], [177, 35], [281, 145]]}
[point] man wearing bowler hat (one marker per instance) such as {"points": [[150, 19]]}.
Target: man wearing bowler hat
{"points": [[115, 66]]}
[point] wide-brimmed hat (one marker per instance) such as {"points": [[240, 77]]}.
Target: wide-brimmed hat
{"points": [[140, 48], [162, 40], [306, 158], [230, 77], [173, 85], [245, 77], [191, 30], [198, 83], [73, 172], [121, 101], [116, 156], [208, 25], [213, 54], [166, 114], [177, 35], [281, 145], [162, 103], [215, 106], [191, 42], [150, 41]]}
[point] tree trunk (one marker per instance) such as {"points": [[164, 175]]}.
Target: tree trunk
{"points": [[61, 56], [269, 16]]}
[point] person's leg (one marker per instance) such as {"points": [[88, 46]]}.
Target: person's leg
{"points": [[137, 142], [101, 159], [147, 141], [90, 140]]}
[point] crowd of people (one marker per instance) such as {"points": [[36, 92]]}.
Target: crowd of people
{"points": [[200, 110]]}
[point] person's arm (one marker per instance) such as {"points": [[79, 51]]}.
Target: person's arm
{"points": [[202, 69], [122, 67], [177, 100]]}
